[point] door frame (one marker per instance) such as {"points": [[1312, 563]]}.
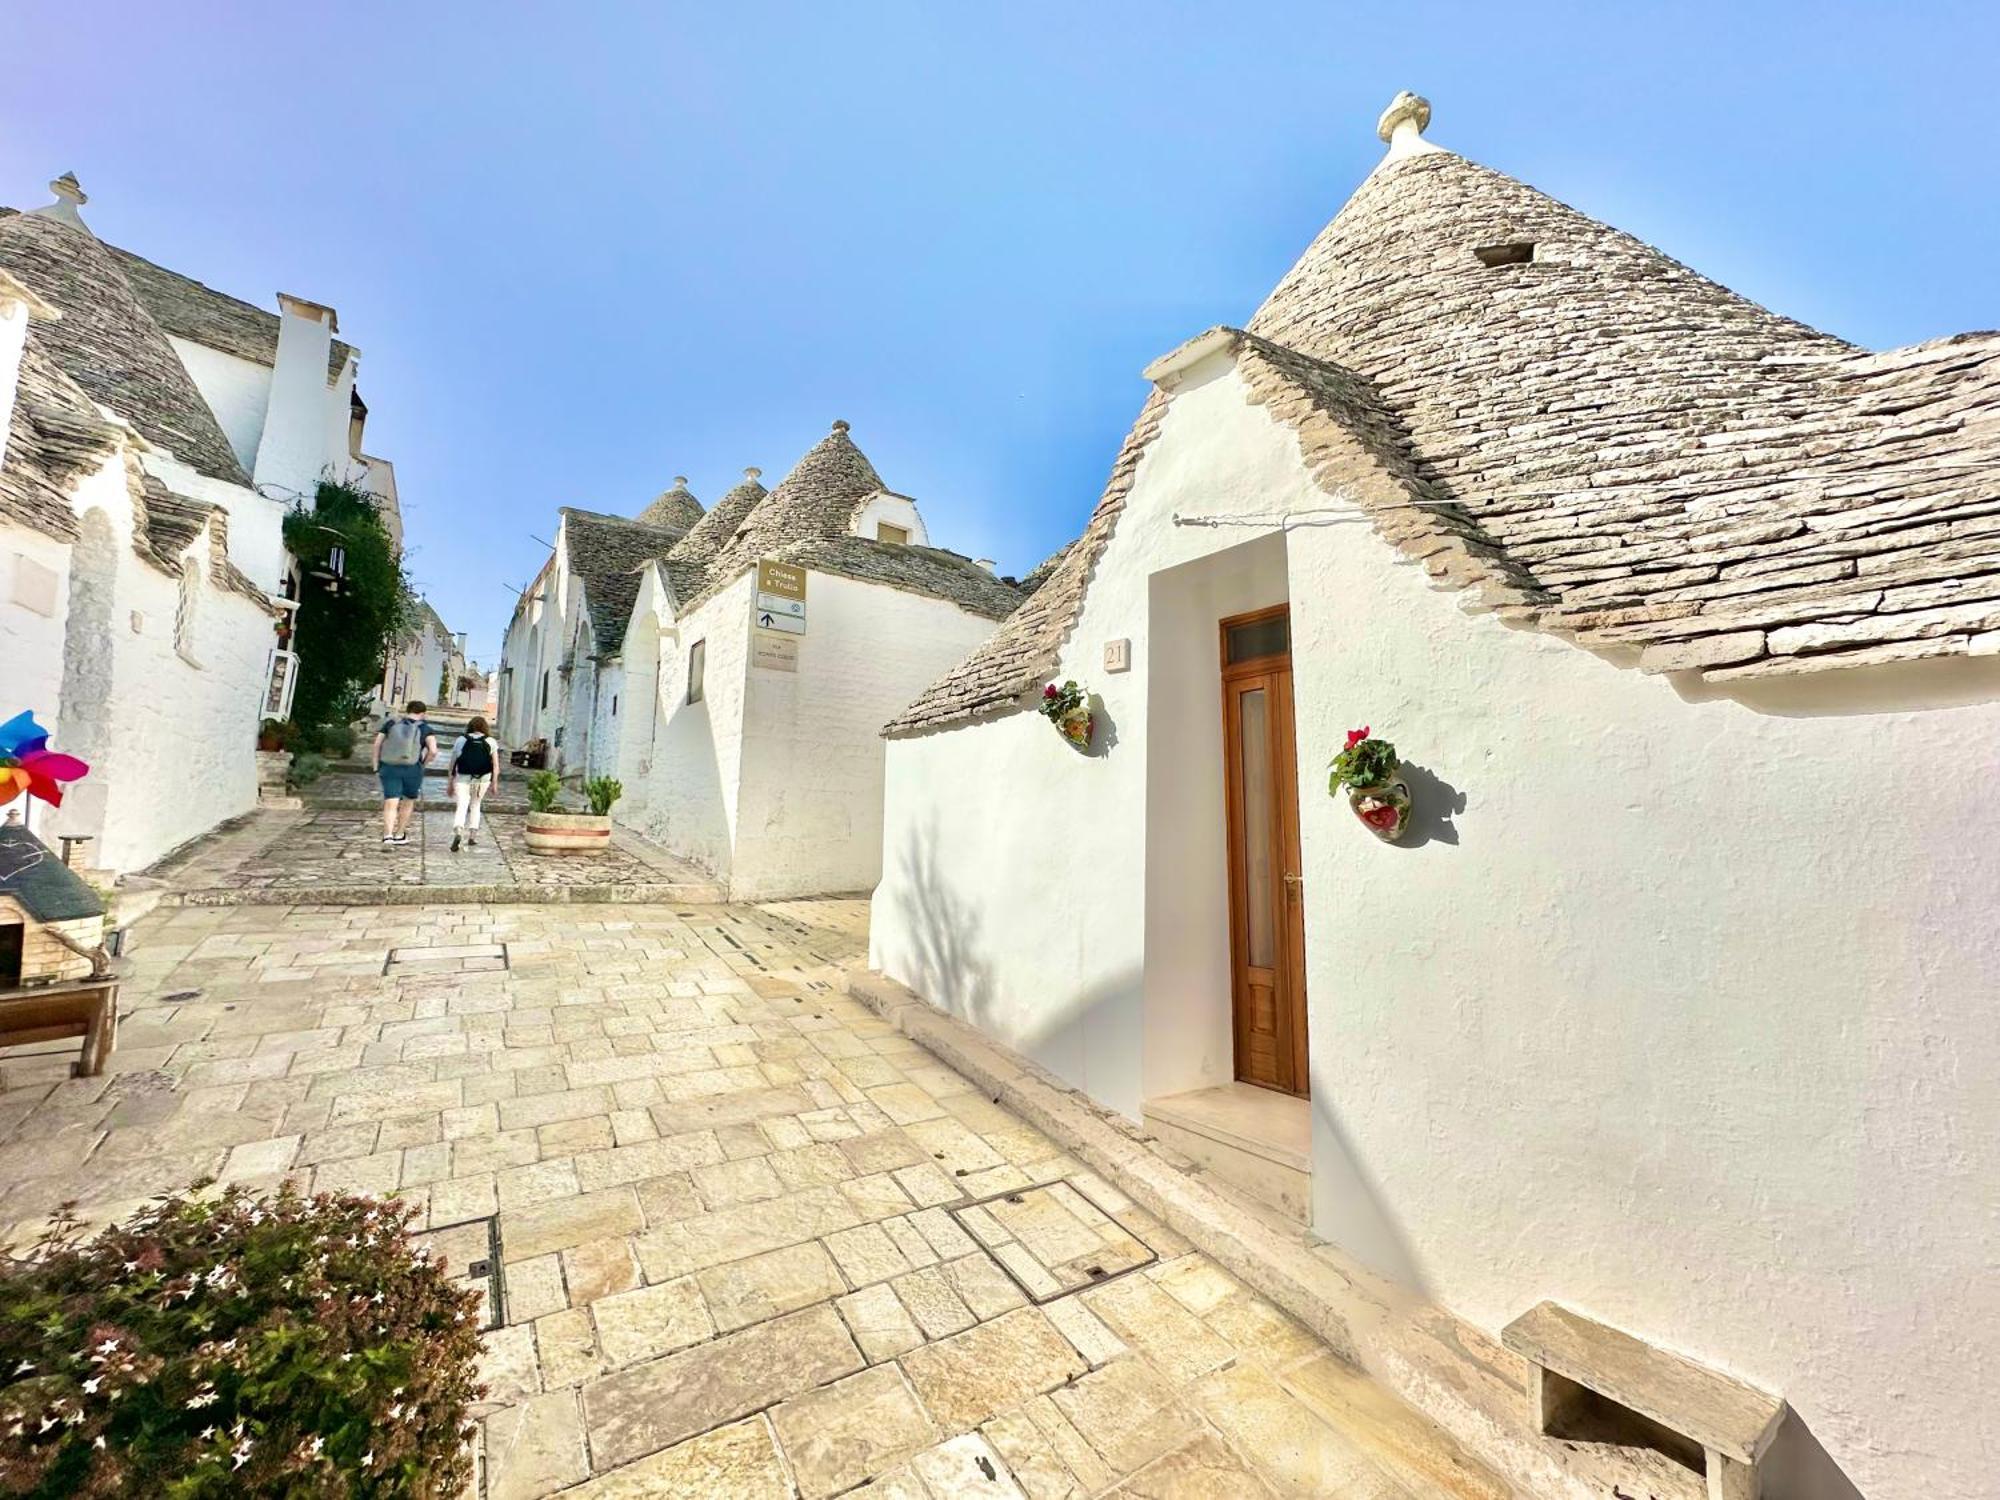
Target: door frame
{"points": [[1287, 886]]}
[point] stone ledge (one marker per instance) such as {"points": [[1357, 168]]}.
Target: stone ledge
{"points": [[1448, 1370], [664, 894]]}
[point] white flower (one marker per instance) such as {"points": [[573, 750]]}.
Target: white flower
{"points": [[109, 1346], [207, 1434], [98, 1441], [24, 1367], [204, 1397], [90, 1386], [368, 1459]]}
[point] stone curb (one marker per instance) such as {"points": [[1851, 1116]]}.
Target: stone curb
{"points": [[448, 895], [1446, 1369]]}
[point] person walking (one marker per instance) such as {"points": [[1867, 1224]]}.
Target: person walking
{"points": [[473, 771], [403, 746]]}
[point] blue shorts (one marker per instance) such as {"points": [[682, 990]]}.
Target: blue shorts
{"points": [[399, 782]]}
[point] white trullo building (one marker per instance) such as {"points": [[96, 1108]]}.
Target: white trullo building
{"points": [[746, 728], [559, 663], [156, 432], [1676, 1004]]}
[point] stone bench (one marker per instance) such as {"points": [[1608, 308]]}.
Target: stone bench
{"points": [[53, 1012], [1705, 1418]]}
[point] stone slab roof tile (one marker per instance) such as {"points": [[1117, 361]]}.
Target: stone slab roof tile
{"points": [[55, 436], [1601, 441], [109, 345], [931, 571], [607, 552], [674, 509], [189, 309]]}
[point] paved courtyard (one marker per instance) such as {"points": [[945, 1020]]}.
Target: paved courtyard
{"points": [[332, 850], [750, 1241]]}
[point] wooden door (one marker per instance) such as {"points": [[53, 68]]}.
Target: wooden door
{"points": [[1266, 906]]}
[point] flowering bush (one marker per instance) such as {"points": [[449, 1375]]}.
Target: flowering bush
{"points": [[236, 1346], [1364, 763], [1068, 708]]}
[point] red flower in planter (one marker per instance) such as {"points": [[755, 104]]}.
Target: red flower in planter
{"points": [[1049, 691], [1356, 736]]}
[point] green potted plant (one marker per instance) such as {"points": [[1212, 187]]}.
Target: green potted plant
{"points": [[552, 831], [1379, 797], [236, 1345]]}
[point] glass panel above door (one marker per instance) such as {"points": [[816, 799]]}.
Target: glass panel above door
{"points": [[1270, 636]]}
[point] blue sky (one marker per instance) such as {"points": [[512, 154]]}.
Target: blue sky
{"points": [[586, 248]]}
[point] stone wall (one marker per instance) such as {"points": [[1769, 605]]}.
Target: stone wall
{"points": [[45, 957]]}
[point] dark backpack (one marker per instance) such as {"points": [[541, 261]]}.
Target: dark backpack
{"points": [[475, 756]]}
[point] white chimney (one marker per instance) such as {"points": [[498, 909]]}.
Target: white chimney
{"points": [[292, 451], [985, 562]]}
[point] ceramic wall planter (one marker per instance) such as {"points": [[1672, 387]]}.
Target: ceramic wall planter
{"points": [[1384, 809], [567, 833]]}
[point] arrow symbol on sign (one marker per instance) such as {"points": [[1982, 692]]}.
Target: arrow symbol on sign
{"points": [[764, 620]]}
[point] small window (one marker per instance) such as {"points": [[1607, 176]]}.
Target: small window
{"points": [[545, 687], [884, 532], [1508, 253], [1264, 635], [614, 705], [697, 665]]}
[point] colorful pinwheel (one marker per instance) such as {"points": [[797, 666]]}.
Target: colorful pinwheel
{"points": [[27, 764]]}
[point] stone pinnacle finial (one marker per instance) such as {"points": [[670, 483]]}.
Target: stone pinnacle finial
{"points": [[680, 481], [839, 426], [1403, 124], [69, 196], [753, 472]]}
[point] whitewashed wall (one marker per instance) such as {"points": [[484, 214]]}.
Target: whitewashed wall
{"points": [[896, 510], [1684, 1019], [256, 522], [810, 817], [237, 390], [690, 798], [34, 600]]}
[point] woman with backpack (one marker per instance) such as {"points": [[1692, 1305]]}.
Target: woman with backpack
{"points": [[473, 772]]}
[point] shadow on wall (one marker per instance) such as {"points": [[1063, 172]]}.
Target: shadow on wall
{"points": [[689, 819], [944, 930], [1349, 1211], [1798, 1468], [951, 971], [1434, 802], [1893, 687]]}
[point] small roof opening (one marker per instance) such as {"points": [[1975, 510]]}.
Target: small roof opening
{"points": [[1505, 253]]}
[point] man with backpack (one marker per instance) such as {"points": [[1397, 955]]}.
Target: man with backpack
{"points": [[403, 745], [474, 770]]}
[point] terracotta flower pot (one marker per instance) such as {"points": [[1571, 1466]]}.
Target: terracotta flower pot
{"points": [[567, 833], [1384, 809]]}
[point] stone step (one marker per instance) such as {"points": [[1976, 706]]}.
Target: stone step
{"points": [[1256, 1140]]}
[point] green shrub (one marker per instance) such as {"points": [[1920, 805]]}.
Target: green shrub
{"points": [[335, 741], [236, 1346], [602, 791], [307, 767], [544, 791]]}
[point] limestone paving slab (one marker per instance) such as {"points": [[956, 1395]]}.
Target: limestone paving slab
{"points": [[728, 1207]]}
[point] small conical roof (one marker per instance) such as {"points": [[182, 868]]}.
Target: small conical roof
{"points": [[817, 499], [674, 509], [712, 532]]}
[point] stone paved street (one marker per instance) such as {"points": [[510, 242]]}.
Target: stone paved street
{"points": [[335, 852], [753, 1242]]}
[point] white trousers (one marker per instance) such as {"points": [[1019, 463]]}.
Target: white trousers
{"points": [[471, 792]]}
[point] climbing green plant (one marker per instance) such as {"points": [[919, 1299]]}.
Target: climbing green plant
{"points": [[345, 625]]}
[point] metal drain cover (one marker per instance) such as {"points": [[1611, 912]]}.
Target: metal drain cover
{"points": [[1053, 1239], [471, 1255]]}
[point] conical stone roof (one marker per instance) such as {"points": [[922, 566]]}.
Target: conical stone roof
{"points": [[675, 509], [110, 345]]}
